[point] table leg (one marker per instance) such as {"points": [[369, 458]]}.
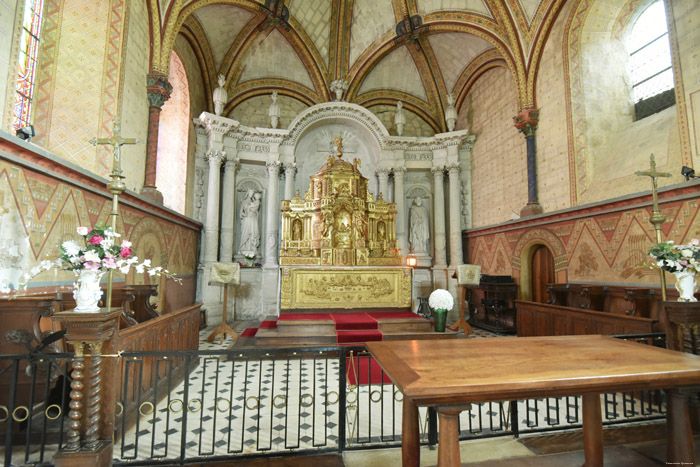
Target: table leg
{"points": [[592, 430], [410, 442], [679, 434], [448, 446]]}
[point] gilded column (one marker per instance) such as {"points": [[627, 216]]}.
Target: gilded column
{"points": [[228, 208], [211, 226], [455, 216], [158, 90], [526, 123], [383, 176], [439, 216], [273, 209], [289, 171], [400, 209]]}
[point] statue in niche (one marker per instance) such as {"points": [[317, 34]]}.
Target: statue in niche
{"points": [[296, 230], [250, 227], [274, 111], [381, 232], [419, 232], [399, 118], [220, 96], [360, 224], [450, 113]]}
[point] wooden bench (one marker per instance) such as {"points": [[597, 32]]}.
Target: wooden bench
{"points": [[593, 309]]}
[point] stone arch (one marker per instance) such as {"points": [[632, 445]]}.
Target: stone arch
{"points": [[524, 251]]}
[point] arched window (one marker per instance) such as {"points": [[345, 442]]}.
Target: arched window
{"points": [[650, 62], [26, 64], [173, 131]]}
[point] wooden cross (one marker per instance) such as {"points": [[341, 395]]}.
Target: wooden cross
{"points": [[654, 176], [116, 141]]}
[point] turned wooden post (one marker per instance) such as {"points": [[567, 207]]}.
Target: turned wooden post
{"points": [[94, 337]]}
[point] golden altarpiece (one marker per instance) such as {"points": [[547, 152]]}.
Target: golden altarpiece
{"points": [[346, 239]]}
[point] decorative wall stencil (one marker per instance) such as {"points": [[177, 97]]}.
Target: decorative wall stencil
{"points": [[587, 264]]}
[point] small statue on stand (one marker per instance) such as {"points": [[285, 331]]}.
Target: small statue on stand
{"points": [[220, 96], [450, 113], [399, 118], [274, 111]]}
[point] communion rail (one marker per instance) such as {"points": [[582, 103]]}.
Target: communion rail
{"points": [[252, 403]]}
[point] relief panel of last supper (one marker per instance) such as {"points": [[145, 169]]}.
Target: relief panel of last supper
{"points": [[338, 223]]}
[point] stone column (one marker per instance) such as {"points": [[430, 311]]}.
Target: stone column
{"points": [[400, 210], [211, 226], [455, 217], [289, 171], [526, 123], [271, 232], [228, 208], [439, 217], [158, 91], [383, 176]]}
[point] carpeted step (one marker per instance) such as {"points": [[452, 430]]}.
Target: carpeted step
{"points": [[354, 321], [358, 337]]}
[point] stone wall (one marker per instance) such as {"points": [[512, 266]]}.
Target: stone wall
{"points": [[499, 169], [602, 242], [43, 200]]}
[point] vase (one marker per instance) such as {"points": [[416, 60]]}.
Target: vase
{"points": [[440, 317], [87, 292], [686, 286]]}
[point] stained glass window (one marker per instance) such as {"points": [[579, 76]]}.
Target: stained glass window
{"points": [[26, 69]]}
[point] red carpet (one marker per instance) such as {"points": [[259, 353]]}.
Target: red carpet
{"points": [[366, 369], [312, 316], [358, 337], [349, 321]]}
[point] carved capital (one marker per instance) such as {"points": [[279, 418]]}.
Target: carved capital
{"points": [[453, 169], [398, 172], [526, 121], [158, 89], [273, 168], [232, 163], [438, 172], [290, 169], [216, 157]]}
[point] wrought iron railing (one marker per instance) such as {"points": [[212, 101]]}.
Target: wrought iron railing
{"points": [[236, 404]]}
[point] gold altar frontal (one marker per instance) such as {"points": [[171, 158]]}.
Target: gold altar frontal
{"points": [[319, 288]]}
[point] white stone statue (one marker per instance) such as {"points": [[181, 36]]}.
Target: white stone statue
{"points": [[250, 227], [220, 96], [450, 113], [399, 118], [338, 87], [274, 111], [419, 227]]}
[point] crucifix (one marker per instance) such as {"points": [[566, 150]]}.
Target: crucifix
{"points": [[656, 217], [116, 185]]}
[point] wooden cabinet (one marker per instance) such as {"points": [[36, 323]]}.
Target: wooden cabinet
{"points": [[491, 304]]}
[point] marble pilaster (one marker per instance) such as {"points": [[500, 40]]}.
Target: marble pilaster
{"points": [[383, 177], [228, 208], [455, 216], [290, 171], [439, 217], [211, 226], [400, 210], [272, 229]]}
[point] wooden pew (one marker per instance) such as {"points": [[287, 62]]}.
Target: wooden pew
{"points": [[592, 309]]}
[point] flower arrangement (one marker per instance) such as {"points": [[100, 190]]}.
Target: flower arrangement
{"points": [[441, 299], [677, 258], [100, 253]]}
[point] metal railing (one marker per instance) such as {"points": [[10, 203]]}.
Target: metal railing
{"points": [[236, 404]]}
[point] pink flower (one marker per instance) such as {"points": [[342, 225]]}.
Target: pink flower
{"points": [[109, 262], [125, 252], [92, 265], [95, 240]]}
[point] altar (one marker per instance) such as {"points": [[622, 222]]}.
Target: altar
{"points": [[338, 247], [328, 288]]}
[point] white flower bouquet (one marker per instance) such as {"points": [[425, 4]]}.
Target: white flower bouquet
{"points": [[441, 299], [677, 258]]}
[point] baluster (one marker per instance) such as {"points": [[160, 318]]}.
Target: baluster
{"points": [[94, 398], [76, 395]]}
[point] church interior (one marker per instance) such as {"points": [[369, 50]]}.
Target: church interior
{"points": [[270, 192]]}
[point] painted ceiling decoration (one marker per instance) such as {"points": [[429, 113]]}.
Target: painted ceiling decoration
{"points": [[415, 51]]}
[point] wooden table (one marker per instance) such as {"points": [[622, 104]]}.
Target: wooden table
{"points": [[451, 374]]}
